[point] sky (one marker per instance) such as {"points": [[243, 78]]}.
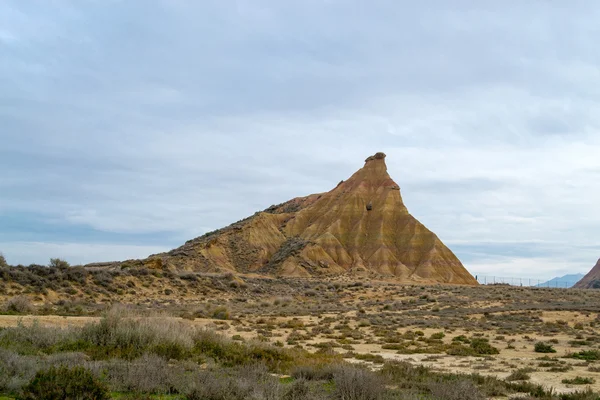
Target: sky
{"points": [[129, 127]]}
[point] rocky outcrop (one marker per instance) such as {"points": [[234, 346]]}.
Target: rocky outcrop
{"points": [[591, 280], [361, 226]]}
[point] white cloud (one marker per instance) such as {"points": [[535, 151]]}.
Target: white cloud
{"points": [[489, 116]]}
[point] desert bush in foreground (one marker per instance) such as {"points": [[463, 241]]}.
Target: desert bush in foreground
{"points": [[117, 335], [355, 383], [16, 371], [245, 383], [455, 390], [299, 390], [64, 383]]}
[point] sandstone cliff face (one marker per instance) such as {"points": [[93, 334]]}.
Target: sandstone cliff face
{"points": [[591, 280], [361, 227]]}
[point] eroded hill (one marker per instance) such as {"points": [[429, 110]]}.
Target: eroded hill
{"points": [[360, 227]]}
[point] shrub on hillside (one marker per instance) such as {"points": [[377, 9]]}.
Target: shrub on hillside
{"points": [[64, 383], [220, 313], [58, 263], [3, 262], [18, 305]]}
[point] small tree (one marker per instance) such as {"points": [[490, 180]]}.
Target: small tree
{"points": [[58, 263], [3, 262]]}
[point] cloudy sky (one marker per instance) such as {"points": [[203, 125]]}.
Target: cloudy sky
{"points": [[128, 127]]}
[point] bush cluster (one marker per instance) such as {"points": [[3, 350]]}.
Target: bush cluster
{"points": [[64, 383]]}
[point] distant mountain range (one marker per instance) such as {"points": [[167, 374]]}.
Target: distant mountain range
{"points": [[565, 281]]}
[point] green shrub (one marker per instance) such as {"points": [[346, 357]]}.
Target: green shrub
{"points": [[220, 313], [579, 380], [374, 358], [541, 347], [561, 368], [461, 338], [405, 375], [230, 353], [65, 383], [481, 346], [587, 355], [518, 375], [170, 350], [456, 349], [3, 262]]}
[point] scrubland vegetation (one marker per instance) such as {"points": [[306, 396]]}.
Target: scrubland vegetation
{"points": [[142, 356], [221, 336]]}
